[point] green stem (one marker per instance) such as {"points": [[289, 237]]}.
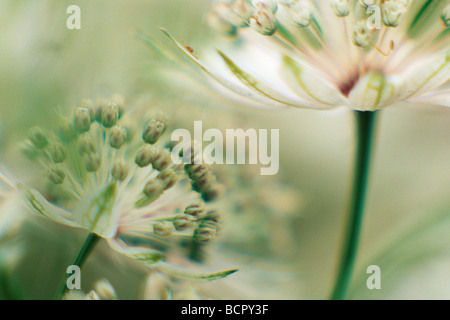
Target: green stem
{"points": [[365, 123], [81, 258], [10, 285]]}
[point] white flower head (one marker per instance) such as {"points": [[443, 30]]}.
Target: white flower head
{"points": [[114, 176], [341, 7], [393, 11], [331, 56]]}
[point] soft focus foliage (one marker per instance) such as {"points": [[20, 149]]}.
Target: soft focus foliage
{"points": [[282, 232]]}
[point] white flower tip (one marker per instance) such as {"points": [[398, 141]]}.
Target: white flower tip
{"points": [[341, 7], [361, 34], [265, 4], [393, 11], [301, 13], [264, 22]]}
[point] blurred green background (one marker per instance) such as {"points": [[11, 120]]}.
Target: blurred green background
{"points": [[44, 65]]}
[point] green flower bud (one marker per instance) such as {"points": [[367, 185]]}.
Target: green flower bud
{"points": [[67, 131], [100, 104], [92, 162], [56, 176], [110, 115], [213, 193], [145, 156], [205, 233], [162, 160], [163, 228], [38, 138], [90, 105], [87, 145], [119, 170], [214, 217], [205, 183], [57, 153], [82, 120], [184, 222], [153, 189], [168, 178], [153, 131], [196, 171], [197, 210], [209, 228], [119, 100], [117, 137]]}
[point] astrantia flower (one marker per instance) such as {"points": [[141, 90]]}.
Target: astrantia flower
{"points": [[362, 54], [114, 176]]}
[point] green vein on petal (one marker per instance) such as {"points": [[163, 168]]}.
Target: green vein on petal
{"points": [[185, 274], [424, 16], [302, 81], [249, 94], [254, 84], [162, 51], [39, 205]]}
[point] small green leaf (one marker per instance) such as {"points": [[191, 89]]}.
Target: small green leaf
{"points": [[185, 274], [149, 258], [250, 82]]}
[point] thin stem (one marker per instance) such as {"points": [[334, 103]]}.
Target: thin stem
{"points": [[81, 258], [365, 123], [10, 285]]}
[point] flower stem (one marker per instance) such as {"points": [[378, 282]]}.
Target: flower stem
{"points": [[10, 285], [81, 258], [365, 123]]}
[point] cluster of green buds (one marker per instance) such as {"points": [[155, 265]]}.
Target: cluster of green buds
{"points": [[95, 151], [205, 224], [204, 181]]}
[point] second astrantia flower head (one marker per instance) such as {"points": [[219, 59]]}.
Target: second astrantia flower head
{"points": [[113, 175], [322, 54]]}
